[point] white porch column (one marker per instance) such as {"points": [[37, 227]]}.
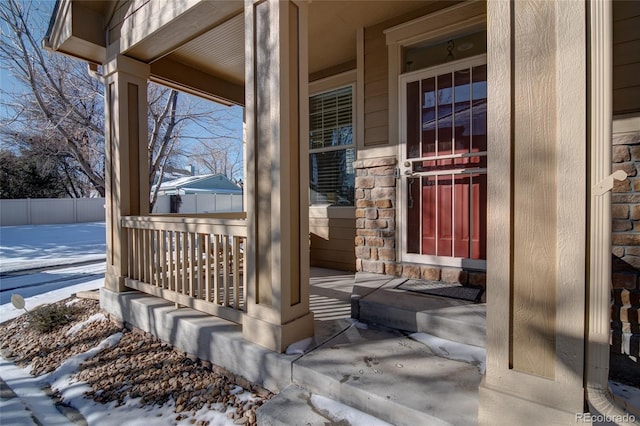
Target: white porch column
{"points": [[277, 178], [537, 212], [127, 168]]}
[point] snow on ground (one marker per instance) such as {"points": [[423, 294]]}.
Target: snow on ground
{"points": [[629, 394], [42, 246], [130, 413], [34, 246], [29, 391], [453, 350], [298, 347], [33, 284], [99, 317], [7, 311]]}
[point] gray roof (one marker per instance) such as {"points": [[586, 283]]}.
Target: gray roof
{"points": [[212, 184]]}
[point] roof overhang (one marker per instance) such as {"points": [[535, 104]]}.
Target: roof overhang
{"points": [[198, 46], [77, 29]]}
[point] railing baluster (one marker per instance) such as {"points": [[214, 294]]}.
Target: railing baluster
{"points": [[139, 253], [170, 260], [132, 255], [225, 269], [244, 274], [200, 258], [200, 275], [192, 255], [163, 259], [236, 272], [216, 269], [155, 253], [136, 254], [185, 263], [207, 272], [143, 256], [150, 256]]}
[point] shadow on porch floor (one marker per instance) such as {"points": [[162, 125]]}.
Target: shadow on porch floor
{"points": [[376, 369]]}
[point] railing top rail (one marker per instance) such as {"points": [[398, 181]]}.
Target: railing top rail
{"points": [[215, 215], [213, 224]]}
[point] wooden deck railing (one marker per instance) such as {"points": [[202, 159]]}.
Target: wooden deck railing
{"points": [[194, 260]]}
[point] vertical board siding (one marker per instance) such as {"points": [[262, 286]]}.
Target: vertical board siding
{"points": [[534, 189]]}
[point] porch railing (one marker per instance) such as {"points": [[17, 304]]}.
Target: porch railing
{"points": [[192, 260]]}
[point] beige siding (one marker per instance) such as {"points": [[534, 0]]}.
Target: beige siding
{"points": [[376, 117], [332, 238], [626, 57], [376, 75]]}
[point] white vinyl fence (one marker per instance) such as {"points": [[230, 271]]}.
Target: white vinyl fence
{"points": [[41, 211], [201, 203]]}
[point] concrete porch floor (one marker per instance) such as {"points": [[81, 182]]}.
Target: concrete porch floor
{"points": [[374, 368]]}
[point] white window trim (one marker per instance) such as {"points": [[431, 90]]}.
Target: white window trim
{"points": [[333, 82], [329, 84]]}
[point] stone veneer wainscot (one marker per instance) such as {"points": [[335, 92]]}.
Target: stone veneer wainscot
{"points": [[376, 241], [625, 213]]}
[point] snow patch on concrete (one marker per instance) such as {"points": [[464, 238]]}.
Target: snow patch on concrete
{"points": [[453, 350], [339, 412]]}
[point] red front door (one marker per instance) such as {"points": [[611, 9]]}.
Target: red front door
{"points": [[445, 159]]}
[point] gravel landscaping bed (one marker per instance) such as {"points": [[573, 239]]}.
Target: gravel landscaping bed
{"points": [[139, 366]]}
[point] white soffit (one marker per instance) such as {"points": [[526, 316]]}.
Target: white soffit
{"points": [[333, 25], [219, 51]]}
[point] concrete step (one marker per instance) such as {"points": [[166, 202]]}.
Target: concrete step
{"points": [[391, 377], [450, 319], [297, 406], [291, 406]]}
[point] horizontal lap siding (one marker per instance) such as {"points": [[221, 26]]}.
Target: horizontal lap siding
{"points": [[332, 243], [376, 90], [626, 57]]}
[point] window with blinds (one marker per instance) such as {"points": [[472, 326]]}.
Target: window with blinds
{"points": [[331, 148]]}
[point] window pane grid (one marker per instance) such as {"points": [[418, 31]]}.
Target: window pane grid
{"points": [[332, 177]]}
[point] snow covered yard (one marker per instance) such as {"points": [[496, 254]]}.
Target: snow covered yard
{"points": [[45, 248], [112, 375], [36, 246]]}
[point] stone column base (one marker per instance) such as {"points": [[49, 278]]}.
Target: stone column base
{"points": [[498, 407], [277, 336]]}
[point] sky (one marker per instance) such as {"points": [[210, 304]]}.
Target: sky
{"points": [[231, 117], [42, 10]]}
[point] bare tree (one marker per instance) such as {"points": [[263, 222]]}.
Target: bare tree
{"points": [[60, 96], [185, 129], [219, 155], [59, 101], [216, 145]]}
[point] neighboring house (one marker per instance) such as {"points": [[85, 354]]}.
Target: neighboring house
{"points": [[203, 184], [456, 141], [198, 194]]}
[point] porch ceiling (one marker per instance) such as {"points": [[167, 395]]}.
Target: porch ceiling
{"points": [[333, 27]]}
